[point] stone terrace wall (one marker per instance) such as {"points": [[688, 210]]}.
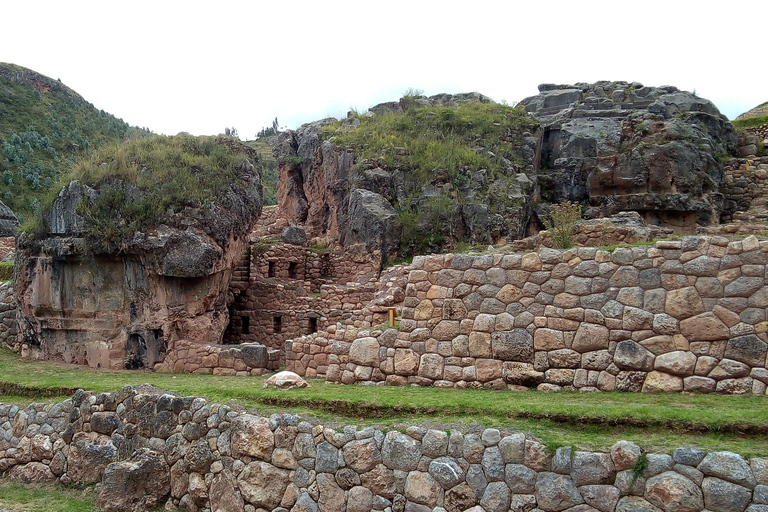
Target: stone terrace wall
{"points": [[8, 326], [685, 315], [746, 190], [146, 448]]}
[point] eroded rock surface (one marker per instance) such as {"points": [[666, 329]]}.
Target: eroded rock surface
{"points": [[624, 146]]}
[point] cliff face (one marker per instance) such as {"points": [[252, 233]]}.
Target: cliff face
{"points": [[127, 307], [621, 146]]}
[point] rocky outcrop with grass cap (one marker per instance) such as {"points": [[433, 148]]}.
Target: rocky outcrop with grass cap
{"points": [[136, 254]]}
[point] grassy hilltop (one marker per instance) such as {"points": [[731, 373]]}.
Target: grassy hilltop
{"points": [[44, 127]]}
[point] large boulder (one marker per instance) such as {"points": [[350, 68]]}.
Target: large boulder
{"points": [[372, 221], [325, 186], [624, 146]]}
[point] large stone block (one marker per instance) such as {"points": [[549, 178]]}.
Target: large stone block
{"points": [[365, 352], [590, 337], [630, 355], [672, 492], [514, 345], [263, 485], [251, 436], [684, 303]]}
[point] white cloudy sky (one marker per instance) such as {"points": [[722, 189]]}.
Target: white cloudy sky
{"points": [[201, 66]]}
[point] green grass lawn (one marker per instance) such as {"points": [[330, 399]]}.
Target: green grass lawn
{"points": [[595, 421], [15, 496]]}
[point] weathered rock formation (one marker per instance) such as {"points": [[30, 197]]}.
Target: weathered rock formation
{"points": [[9, 224], [621, 146], [202, 456], [678, 315], [614, 146], [330, 191], [129, 306]]}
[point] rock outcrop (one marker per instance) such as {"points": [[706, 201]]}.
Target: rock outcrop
{"points": [[9, 224], [621, 146], [127, 305], [334, 192], [208, 456]]}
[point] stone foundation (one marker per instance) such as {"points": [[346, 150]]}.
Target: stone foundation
{"points": [[149, 448], [683, 315]]}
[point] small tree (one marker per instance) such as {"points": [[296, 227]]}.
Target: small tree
{"points": [[562, 226]]}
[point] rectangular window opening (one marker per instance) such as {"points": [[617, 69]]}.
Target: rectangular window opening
{"points": [[292, 269], [312, 325], [271, 269], [246, 324], [277, 324]]}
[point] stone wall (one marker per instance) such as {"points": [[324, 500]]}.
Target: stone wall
{"points": [[146, 448], [682, 315], [7, 246], [283, 291], [746, 190], [8, 325], [245, 359]]}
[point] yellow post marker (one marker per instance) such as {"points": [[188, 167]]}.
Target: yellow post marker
{"points": [[392, 314]]}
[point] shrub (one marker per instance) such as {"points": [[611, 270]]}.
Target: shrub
{"points": [[562, 226]]}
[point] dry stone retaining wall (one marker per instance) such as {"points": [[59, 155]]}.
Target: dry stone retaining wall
{"points": [[8, 325], [146, 448], [681, 315], [7, 246]]}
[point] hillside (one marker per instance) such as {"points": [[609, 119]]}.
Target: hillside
{"points": [[752, 118], [44, 126]]}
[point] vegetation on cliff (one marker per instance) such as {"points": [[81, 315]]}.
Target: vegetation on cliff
{"points": [[147, 181], [444, 157], [44, 126]]}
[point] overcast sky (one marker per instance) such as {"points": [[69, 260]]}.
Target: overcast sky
{"points": [[203, 66]]}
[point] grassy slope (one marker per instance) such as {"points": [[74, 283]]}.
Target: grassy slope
{"points": [[44, 126], [15, 496], [656, 422], [751, 122]]}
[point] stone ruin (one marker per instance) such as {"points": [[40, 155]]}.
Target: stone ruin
{"points": [[298, 284]]}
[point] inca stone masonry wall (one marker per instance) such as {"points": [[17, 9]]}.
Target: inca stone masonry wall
{"points": [[8, 325], [148, 448], [683, 315], [285, 291]]}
